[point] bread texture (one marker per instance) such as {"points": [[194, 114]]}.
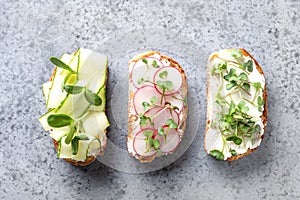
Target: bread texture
{"points": [[133, 117], [263, 117]]}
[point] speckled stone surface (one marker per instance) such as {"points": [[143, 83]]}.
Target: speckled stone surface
{"points": [[31, 32]]}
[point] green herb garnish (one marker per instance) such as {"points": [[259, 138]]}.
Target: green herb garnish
{"points": [[92, 98], [154, 64], [146, 62], [146, 105], [59, 120], [148, 133], [248, 65], [163, 74], [72, 89], [58, 63], [161, 131], [217, 154], [171, 123]]}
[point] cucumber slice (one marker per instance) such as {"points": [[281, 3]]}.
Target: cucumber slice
{"points": [[85, 149], [58, 133], [64, 150], [46, 89], [43, 119], [94, 147], [92, 69], [56, 94], [94, 124]]}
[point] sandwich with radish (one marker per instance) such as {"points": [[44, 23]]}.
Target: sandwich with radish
{"points": [[236, 104], [157, 106], [75, 99]]}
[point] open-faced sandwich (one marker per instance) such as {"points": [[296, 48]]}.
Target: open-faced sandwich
{"points": [[236, 104], [75, 98], [157, 107]]}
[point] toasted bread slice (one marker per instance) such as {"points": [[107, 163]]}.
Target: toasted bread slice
{"points": [[89, 137], [91, 158], [139, 92], [221, 141]]}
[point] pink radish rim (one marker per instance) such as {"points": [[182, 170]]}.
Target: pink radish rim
{"points": [[183, 104], [178, 142], [134, 66], [177, 114], [138, 89], [141, 131], [155, 81]]}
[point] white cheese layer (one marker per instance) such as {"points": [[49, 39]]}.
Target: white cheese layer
{"points": [[213, 138]]}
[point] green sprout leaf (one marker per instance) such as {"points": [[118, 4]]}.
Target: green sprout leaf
{"points": [[165, 85], [145, 61], [231, 108], [92, 98], [70, 135], [156, 143], [163, 74], [246, 86], [248, 65], [161, 131], [243, 77], [260, 101], [154, 64], [236, 53], [233, 152], [257, 85], [148, 133], [256, 129], [75, 144], [59, 120], [72, 89], [235, 139], [242, 106], [171, 123], [81, 137], [58, 63], [144, 120], [219, 67], [217, 154], [141, 81], [146, 105], [230, 85], [231, 75], [153, 100]]}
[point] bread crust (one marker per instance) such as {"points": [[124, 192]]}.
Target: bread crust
{"points": [[89, 159], [265, 97], [132, 117]]}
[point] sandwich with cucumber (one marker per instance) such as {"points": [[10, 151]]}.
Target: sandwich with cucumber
{"points": [[157, 106], [236, 104], [75, 99]]}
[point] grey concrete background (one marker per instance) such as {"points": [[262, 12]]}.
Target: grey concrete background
{"points": [[31, 31]]}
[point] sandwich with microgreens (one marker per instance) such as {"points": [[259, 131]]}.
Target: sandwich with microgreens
{"points": [[157, 106], [236, 104], [75, 99]]}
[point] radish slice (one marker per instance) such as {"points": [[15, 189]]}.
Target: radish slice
{"points": [[139, 144], [176, 100], [168, 74], [161, 116], [144, 94], [150, 113], [169, 143], [141, 70]]}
